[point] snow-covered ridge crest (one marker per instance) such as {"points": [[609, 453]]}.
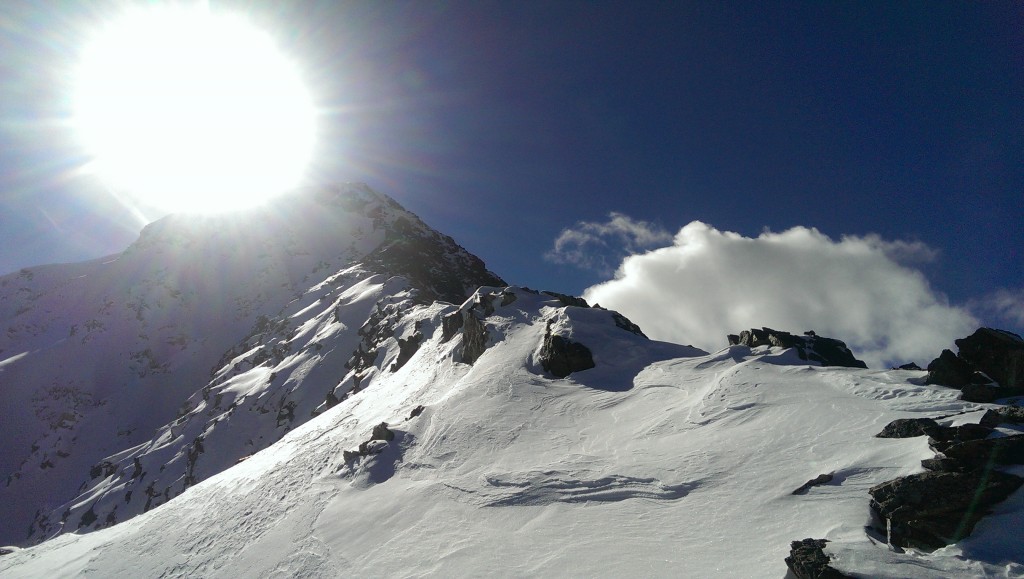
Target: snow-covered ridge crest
{"points": [[672, 460], [97, 357]]}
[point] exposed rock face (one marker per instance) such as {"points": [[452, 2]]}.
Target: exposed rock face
{"points": [[986, 356], [826, 351], [949, 370], [909, 428], [933, 509], [807, 560], [561, 356], [997, 353]]}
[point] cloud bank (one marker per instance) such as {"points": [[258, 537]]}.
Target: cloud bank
{"points": [[861, 290], [597, 246]]}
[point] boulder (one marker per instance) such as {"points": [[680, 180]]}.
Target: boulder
{"points": [[381, 432], [909, 428], [561, 356], [810, 346], [981, 453], [807, 560], [932, 509], [949, 370], [908, 366], [997, 353]]}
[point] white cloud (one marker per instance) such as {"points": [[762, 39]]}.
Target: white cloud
{"points": [[711, 283], [596, 246], [1003, 305]]}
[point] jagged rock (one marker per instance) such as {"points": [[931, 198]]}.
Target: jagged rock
{"points": [[997, 353], [908, 366], [943, 437], [944, 465], [826, 351], [909, 428], [416, 412], [568, 300], [949, 370], [624, 323], [406, 348], [981, 453], [807, 560], [381, 432], [561, 356], [984, 394], [818, 480], [474, 339], [1011, 414], [932, 509]]}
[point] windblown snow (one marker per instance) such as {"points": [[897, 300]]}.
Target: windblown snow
{"points": [[661, 460]]}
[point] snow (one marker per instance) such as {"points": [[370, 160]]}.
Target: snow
{"points": [[661, 461]]}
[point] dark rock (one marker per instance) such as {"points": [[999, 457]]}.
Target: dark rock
{"points": [[909, 428], [949, 370], [1011, 414], [433, 263], [825, 351], [567, 300], [807, 560], [7, 550], [982, 453], [997, 353], [991, 419], [88, 517], [474, 339], [450, 325], [562, 356], [624, 323], [818, 480], [406, 348], [416, 412], [908, 366], [984, 393], [944, 465], [944, 436], [932, 509], [381, 432]]}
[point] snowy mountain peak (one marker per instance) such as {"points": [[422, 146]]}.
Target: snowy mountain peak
{"points": [[107, 354]]}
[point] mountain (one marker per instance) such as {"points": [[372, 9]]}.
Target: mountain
{"points": [[114, 371], [327, 386]]}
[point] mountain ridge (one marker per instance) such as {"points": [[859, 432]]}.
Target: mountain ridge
{"points": [[382, 404]]}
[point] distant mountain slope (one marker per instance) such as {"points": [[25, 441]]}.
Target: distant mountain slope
{"points": [[102, 363], [472, 459]]}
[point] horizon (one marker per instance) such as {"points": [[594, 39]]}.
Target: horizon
{"points": [[556, 141]]}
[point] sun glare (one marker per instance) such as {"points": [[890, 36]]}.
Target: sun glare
{"points": [[187, 110]]}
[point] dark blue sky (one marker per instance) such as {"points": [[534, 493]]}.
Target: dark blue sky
{"points": [[501, 123]]}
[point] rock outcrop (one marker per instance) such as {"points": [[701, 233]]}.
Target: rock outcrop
{"points": [[807, 560], [561, 356], [990, 366], [932, 509], [810, 346]]}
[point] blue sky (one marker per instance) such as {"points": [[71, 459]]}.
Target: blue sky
{"points": [[506, 124]]}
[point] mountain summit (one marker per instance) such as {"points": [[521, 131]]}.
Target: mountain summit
{"points": [[100, 359], [327, 386]]}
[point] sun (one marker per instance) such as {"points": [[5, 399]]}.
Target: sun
{"points": [[192, 111]]}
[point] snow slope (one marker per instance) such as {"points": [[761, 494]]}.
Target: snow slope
{"points": [[662, 460], [114, 372]]}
